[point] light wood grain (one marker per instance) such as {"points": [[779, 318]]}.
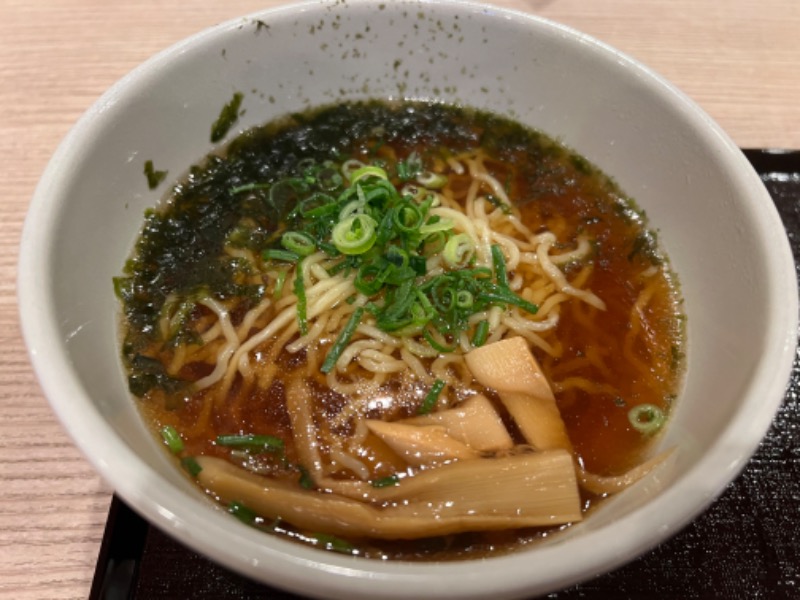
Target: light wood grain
{"points": [[738, 59]]}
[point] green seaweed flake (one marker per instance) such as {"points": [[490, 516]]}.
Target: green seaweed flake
{"points": [[227, 118]]}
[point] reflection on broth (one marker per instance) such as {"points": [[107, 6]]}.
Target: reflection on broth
{"points": [[406, 331]]}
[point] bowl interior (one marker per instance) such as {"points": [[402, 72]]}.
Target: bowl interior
{"points": [[715, 220]]}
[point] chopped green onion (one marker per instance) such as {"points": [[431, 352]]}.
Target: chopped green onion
{"points": [[443, 294], [341, 342], [418, 264], [306, 482], [379, 193], [435, 242], [434, 343], [436, 224], [506, 296], [464, 299], [431, 180], [172, 438], [328, 249], [351, 166], [280, 279], [285, 193], [383, 237], [499, 263], [504, 208], [407, 169], [646, 418], [370, 279], [367, 171], [329, 180], [385, 230], [316, 206], [394, 315], [477, 273], [397, 256], [414, 192], [429, 403], [249, 187], [331, 542], [276, 254], [300, 292], [242, 512], [408, 217], [458, 251], [252, 442], [300, 243], [191, 465], [385, 481], [306, 166], [481, 333], [354, 235], [353, 207]]}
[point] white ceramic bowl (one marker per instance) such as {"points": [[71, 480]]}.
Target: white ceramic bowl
{"points": [[715, 219]]}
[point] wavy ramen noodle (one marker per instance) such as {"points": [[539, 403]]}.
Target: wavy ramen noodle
{"points": [[406, 331]]}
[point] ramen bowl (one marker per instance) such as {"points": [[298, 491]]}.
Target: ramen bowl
{"points": [[714, 218]]}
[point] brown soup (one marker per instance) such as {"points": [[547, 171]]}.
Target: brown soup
{"points": [[332, 269]]}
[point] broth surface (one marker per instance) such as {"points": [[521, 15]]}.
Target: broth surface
{"points": [[202, 249]]}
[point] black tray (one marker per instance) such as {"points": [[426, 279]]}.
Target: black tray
{"points": [[746, 545]]}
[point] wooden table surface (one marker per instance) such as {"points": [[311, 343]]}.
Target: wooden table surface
{"points": [[739, 59]]}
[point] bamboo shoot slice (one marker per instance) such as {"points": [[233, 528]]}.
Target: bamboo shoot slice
{"points": [[509, 367], [538, 419], [420, 446], [474, 422], [527, 490]]}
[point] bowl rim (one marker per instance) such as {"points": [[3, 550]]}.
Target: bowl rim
{"points": [[286, 565]]}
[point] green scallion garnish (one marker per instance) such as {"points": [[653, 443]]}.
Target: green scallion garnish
{"points": [[409, 168], [172, 438], [499, 263], [436, 345], [408, 218], [504, 208], [280, 279], [355, 234], [481, 333], [305, 481], [366, 172], [276, 254], [341, 342], [191, 465], [298, 242], [242, 512], [429, 403], [646, 418], [300, 292], [506, 296], [431, 180], [331, 542], [383, 482], [249, 187], [458, 251], [384, 238], [435, 224], [251, 442]]}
